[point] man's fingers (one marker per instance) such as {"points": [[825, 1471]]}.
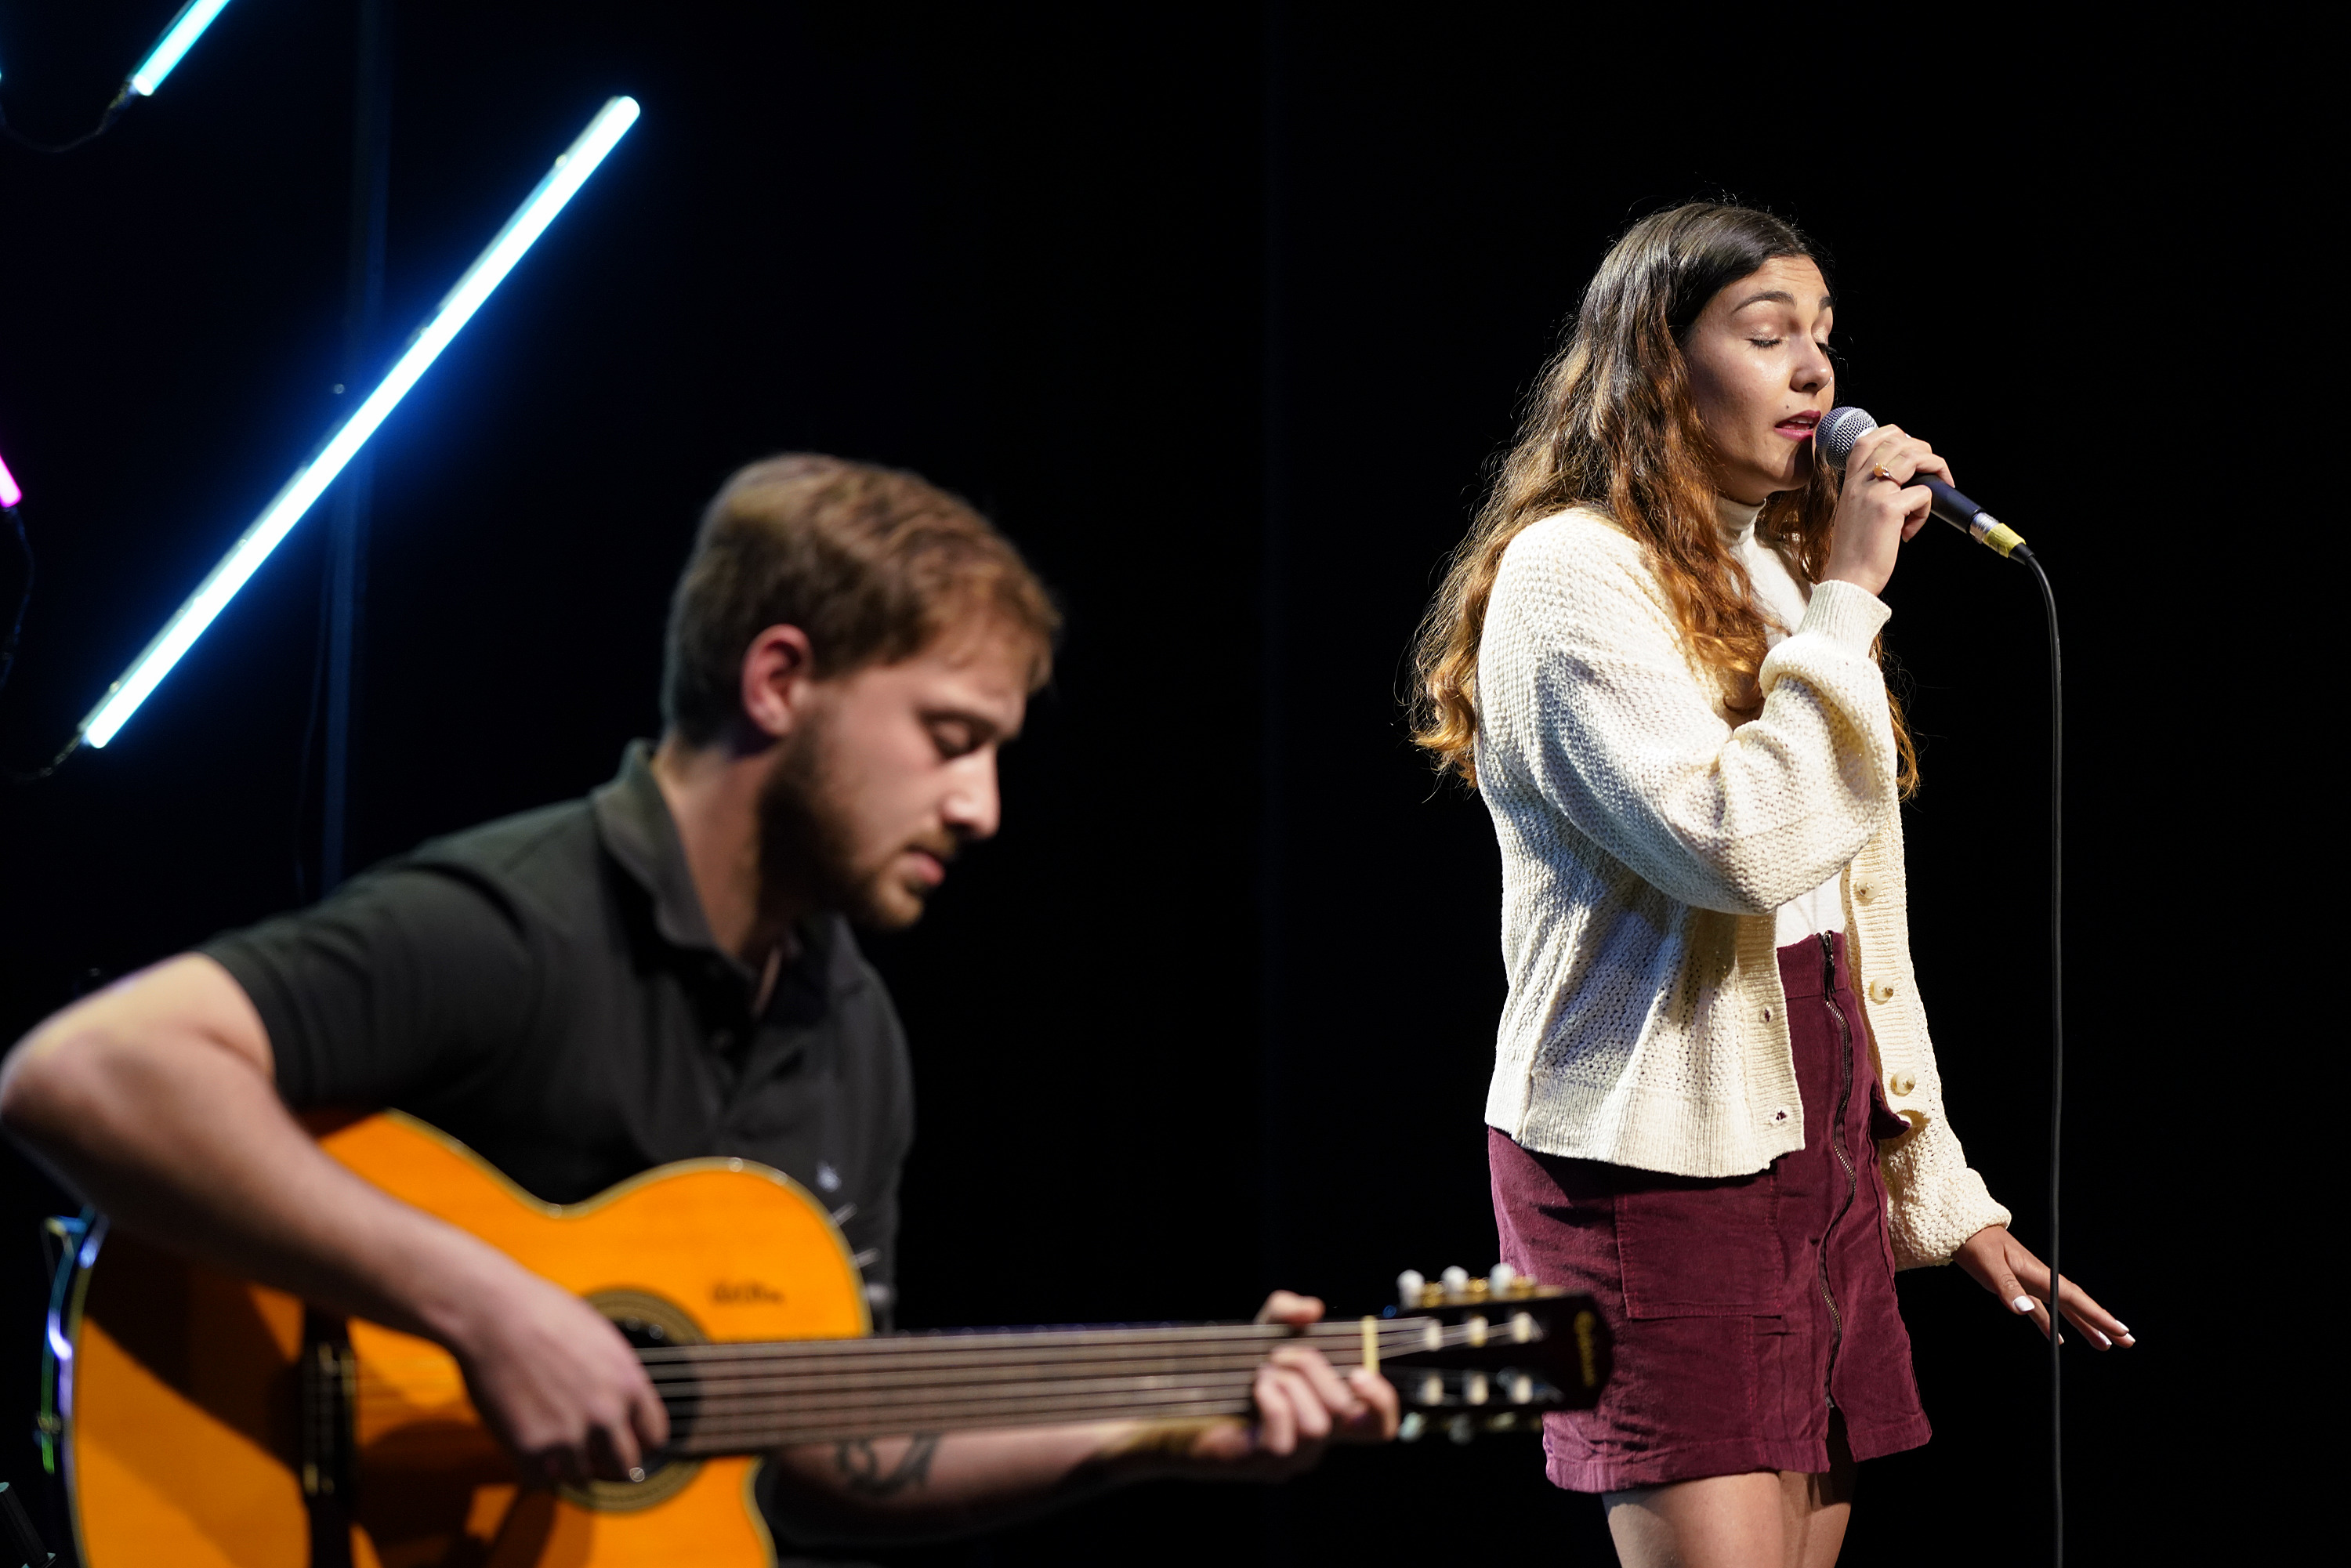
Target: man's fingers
{"points": [[1330, 1392], [612, 1448], [1312, 1416], [1277, 1422], [1303, 1418], [1381, 1412], [1290, 1307], [649, 1416]]}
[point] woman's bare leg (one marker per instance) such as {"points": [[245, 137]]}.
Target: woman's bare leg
{"points": [[1721, 1521], [1765, 1519], [1814, 1509]]}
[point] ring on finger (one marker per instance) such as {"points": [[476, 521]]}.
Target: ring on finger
{"points": [[1881, 472]]}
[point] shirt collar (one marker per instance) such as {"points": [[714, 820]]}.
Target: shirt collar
{"points": [[632, 819], [1737, 521]]}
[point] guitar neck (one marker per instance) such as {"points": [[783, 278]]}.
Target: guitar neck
{"points": [[750, 1397]]}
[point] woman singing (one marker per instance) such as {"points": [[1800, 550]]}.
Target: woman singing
{"points": [[1714, 1104]]}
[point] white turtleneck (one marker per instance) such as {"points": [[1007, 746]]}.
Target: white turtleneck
{"points": [[1782, 596]]}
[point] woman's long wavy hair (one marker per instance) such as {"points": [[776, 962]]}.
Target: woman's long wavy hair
{"points": [[1612, 424]]}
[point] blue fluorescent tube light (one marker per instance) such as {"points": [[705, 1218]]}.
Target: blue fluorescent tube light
{"points": [[311, 481], [177, 39]]}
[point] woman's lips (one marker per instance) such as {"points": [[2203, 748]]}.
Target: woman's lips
{"points": [[1797, 429]]}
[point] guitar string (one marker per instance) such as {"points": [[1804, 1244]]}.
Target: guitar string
{"points": [[726, 1415], [698, 1445], [947, 1348], [1042, 1379], [748, 1431], [957, 1358], [943, 1359], [1075, 1335]]}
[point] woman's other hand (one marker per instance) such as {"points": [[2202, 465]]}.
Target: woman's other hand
{"points": [[1875, 516], [2007, 1267]]}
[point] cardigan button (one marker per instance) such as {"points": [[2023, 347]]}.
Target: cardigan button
{"points": [[1904, 1082], [1861, 890], [1883, 990]]}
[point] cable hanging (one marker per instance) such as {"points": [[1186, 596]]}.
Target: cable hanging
{"points": [[174, 41]]}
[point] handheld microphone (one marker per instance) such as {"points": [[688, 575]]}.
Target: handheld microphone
{"points": [[1842, 429]]}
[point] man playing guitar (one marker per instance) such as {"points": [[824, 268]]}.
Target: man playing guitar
{"points": [[662, 971]]}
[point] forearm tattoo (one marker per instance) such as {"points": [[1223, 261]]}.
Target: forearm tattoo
{"points": [[860, 1466]]}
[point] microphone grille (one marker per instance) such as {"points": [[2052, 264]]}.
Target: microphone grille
{"points": [[1839, 433]]}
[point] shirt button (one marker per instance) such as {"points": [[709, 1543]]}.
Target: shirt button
{"points": [[1904, 1082]]}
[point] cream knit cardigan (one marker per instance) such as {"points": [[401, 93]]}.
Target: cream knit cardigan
{"points": [[1646, 843]]}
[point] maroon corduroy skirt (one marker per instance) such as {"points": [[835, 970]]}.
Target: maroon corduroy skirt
{"points": [[1744, 1308]]}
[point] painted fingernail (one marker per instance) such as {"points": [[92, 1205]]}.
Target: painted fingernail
{"points": [[2127, 1341], [2123, 1329], [2023, 1303], [2100, 1336]]}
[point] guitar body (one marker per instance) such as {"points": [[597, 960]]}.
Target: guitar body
{"points": [[209, 1423]]}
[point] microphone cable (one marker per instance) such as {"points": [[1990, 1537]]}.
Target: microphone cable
{"points": [[1839, 432], [2056, 1051]]}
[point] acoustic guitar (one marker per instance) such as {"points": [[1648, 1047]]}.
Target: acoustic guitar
{"points": [[204, 1422]]}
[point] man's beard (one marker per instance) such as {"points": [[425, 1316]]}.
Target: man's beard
{"points": [[808, 841]]}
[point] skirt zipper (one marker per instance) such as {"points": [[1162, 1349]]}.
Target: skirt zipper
{"points": [[1852, 1176]]}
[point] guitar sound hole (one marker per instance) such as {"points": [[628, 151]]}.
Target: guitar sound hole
{"points": [[650, 1324]]}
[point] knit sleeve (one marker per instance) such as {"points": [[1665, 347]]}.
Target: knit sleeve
{"points": [[1588, 696], [1934, 1199]]}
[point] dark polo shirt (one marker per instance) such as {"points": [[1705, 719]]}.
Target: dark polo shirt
{"points": [[546, 989]]}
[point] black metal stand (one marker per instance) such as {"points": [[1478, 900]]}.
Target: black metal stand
{"points": [[24, 1541], [347, 550]]}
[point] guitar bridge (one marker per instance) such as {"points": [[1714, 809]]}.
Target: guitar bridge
{"points": [[330, 1377]]}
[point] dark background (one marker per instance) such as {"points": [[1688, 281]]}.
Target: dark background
{"points": [[1217, 310]]}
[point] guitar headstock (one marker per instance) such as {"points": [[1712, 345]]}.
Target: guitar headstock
{"points": [[1491, 1353]]}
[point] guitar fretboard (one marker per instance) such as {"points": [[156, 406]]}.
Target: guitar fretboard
{"points": [[747, 1397]]}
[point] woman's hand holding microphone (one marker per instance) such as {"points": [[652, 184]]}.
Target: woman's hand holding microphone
{"points": [[1878, 510]]}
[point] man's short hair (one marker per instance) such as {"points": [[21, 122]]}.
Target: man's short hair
{"points": [[874, 564]]}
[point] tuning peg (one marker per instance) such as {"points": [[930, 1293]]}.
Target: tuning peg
{"points": [[1501, 1278], [1409, 1429], [1410, 1286], [1461, 1428], [1432, 1389], [1454, 1279]]}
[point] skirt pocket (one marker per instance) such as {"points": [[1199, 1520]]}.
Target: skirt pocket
{"points": [[1693, 1249]]}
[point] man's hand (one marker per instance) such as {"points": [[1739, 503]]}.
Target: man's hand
{"points": [[556, 1383], [1303, 1406]]}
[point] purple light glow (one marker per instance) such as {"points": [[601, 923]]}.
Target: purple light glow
{"points": [[10, 494]]}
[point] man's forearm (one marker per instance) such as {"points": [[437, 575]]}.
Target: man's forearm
{"points": [[182, 1139], [942, 1484]]}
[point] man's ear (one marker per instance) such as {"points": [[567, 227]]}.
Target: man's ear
{"points": [[779, 680]]}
